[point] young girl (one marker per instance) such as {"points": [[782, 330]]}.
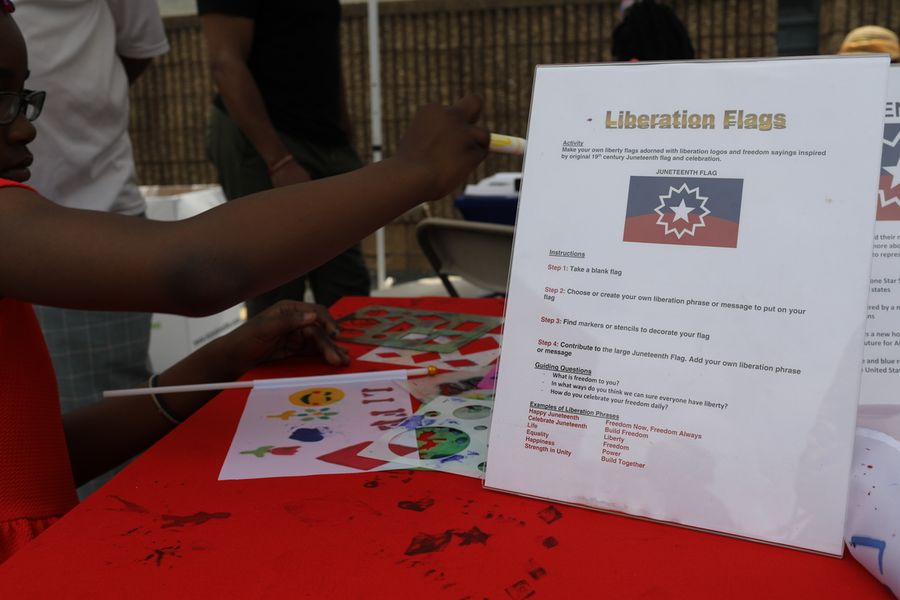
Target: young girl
{"points": [[83, 259]]}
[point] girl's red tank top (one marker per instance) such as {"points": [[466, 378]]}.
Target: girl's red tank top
{"points": [[36, 483]]}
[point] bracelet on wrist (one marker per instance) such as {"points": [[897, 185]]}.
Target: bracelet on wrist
{"points": [[161, 405], [280, 163]]}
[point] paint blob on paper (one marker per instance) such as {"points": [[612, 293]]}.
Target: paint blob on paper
{"points": [[317, 396], [307, 434], [440, 442]]}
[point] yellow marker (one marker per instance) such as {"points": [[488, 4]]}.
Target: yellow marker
{"points": [[507, 144]]}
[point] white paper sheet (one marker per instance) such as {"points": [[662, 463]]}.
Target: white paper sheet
{"points": [[687, 303], [881, 369], [315, 429]]}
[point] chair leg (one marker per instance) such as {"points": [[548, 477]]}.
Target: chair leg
{"points": [[450, 289]]}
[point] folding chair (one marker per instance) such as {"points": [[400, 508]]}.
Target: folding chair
{"points": [[477, 252]]}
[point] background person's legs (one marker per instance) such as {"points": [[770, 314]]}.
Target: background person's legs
{"points": [[242, 171], [94, 351]]}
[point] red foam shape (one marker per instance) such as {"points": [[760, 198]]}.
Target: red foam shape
{"points": [[425, 356], [349, 457], [479, 345], [461, 362]]}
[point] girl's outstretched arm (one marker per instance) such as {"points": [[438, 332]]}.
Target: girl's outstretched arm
{"points": [[84, 259]]}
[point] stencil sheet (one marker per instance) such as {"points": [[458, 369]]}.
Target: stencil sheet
{"points": [[448, 434], [421, 331]]}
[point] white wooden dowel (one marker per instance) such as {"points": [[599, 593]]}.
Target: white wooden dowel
{"points": [[274, 383]]}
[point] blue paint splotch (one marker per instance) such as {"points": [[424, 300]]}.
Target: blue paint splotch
{"points": [[416, 421], [880, 545], [307, 434], [454, 458]]}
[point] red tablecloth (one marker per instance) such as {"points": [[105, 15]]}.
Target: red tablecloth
{"points": [[165, 527]]}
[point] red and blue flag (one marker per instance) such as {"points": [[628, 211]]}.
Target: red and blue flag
{"points": [[690, 211], [889, 176]]}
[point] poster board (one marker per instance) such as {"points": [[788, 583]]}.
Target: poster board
{"points": [[881, 367], [687, 297]]}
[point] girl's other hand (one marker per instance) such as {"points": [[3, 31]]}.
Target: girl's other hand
{"points": [[284, 330]]}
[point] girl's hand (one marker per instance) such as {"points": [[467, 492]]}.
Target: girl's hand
{"points": [[445, 144], [286, 329]]}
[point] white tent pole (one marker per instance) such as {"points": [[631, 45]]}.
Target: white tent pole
{"points": [[375, 97]]}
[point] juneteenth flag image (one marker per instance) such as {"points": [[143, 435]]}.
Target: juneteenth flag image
{"points": [[889, 176], [691, 211]]}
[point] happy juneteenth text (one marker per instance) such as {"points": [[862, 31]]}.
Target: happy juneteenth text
{"points": [[682, 119]]}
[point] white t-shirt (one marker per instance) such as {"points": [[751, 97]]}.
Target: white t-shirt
{"points": [[83, 156]]}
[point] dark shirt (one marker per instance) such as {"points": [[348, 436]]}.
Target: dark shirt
{"points": [[296, 62]]}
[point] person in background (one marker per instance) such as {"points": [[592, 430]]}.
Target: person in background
{"points": [[871, 38], [281, 116], [85, 259], [650, 31], [85, 54]]}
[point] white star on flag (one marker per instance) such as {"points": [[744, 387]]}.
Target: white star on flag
{"points": [[892, 143], [682, 211], [895, 174], [884, 202]]}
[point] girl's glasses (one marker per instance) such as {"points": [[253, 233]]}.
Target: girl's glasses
{"points": [[26, 102]]}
